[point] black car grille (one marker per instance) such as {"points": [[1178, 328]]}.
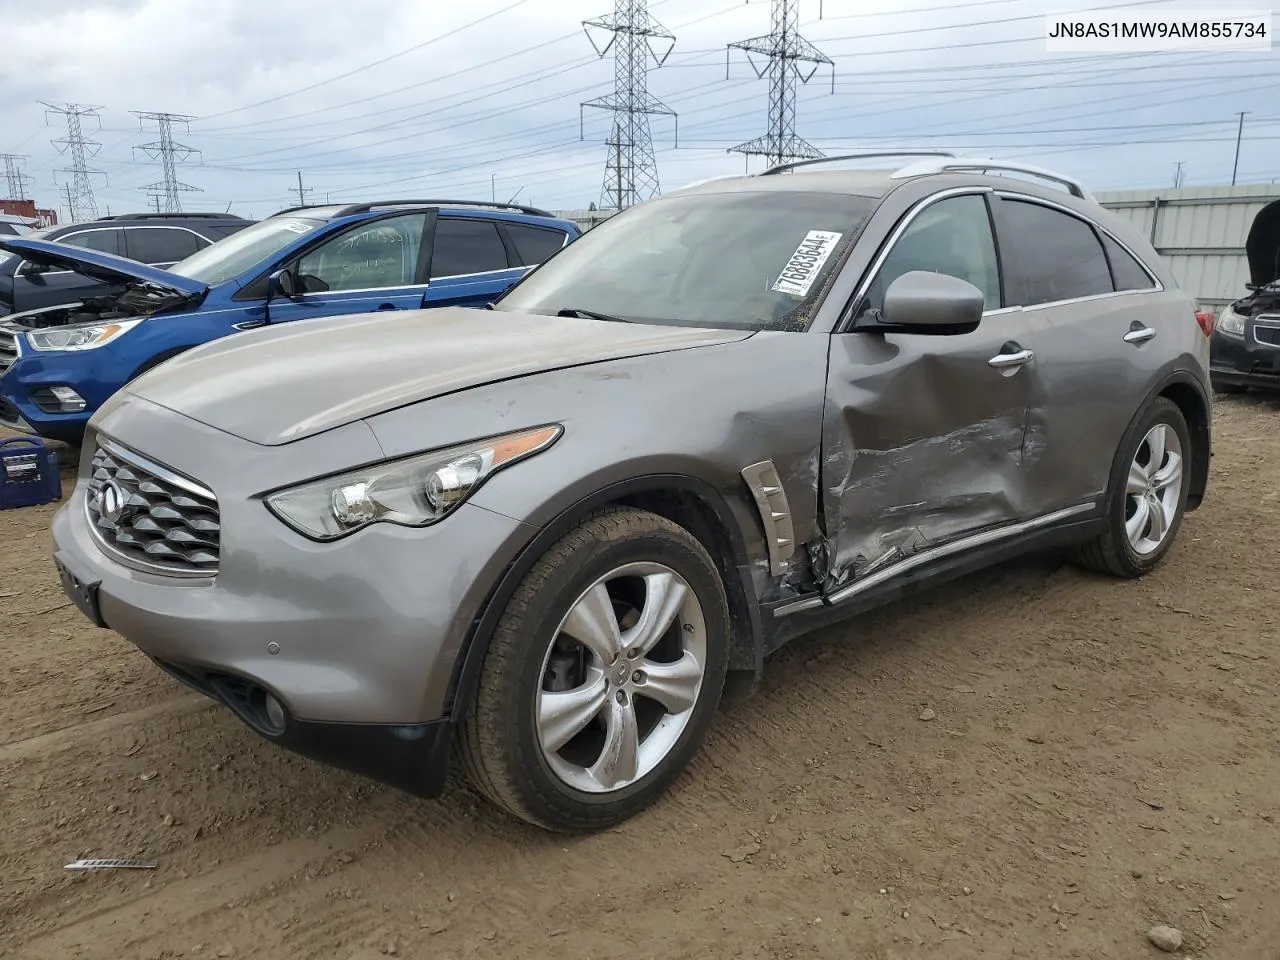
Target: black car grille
{"points": [[1270, 335], [151, 517], [8, 349]]}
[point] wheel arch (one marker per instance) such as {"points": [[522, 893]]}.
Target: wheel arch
{"points": [[691, 502], [154, 361], [1190, 397]]}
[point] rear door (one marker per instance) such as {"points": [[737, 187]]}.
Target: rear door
{"points": [[470, 264], [1096, 315], [51, 288], [375, 265], [923, 433]]}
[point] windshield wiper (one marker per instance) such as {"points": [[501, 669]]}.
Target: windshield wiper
{"points": [[589, 315]]}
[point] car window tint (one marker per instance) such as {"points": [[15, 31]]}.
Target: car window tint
{"points": [[372, 256], [951, 237], [104, 241], [160, 244], [534, 244], [1127, 272], [1060, 255], [466, 246]]}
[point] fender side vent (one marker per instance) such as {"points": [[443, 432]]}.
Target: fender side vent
{"points": [[771, 500]]}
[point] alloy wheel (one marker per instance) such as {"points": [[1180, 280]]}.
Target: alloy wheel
{"points": [[1153, 489], [621, 678]]}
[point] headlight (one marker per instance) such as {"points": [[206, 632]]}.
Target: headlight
{"points": [[1231, 323], [413, 492], [79, 338]]}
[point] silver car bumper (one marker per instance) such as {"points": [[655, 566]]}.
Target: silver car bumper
{"points": [[366, 630]]}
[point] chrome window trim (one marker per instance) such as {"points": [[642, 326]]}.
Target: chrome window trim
{"points": [[81, 233]]}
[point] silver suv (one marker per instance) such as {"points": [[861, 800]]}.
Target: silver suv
{"points": [[555, 533]]}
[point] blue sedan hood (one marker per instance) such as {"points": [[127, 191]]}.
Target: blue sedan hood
{"points": [[98, 266]]}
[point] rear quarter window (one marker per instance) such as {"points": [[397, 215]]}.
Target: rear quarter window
{"points": [[1128, 273], [533, 244]]}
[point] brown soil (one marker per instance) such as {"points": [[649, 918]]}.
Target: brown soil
{"points": [[1102, 757]]}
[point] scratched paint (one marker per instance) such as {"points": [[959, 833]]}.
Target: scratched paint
{"points": [[884, 505]]}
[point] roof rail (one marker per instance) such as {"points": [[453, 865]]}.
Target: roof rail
{"points": [[366, 207], [152, 215], [978, 165], [784, 167]]}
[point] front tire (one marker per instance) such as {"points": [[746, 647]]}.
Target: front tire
{"points": [[603, 674], [1147, 495]]}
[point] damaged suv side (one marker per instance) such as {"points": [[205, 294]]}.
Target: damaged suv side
{"points": [[553, 533]]}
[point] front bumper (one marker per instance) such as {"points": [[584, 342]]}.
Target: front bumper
{"points": [[1251, 360], [356, 639], [30, 373]]}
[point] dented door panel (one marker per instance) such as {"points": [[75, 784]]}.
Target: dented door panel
{"points": [[922, 442]]}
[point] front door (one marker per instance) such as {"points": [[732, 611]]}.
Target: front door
{"points": [[923, 433], [373, 266]]}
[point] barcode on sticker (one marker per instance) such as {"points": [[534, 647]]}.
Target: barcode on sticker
{"points": [[806, 263]]}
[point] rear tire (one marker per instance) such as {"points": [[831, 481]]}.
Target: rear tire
{"points": [[1147, 494], [602, 676]]}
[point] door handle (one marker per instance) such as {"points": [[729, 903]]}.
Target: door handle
{"points": [[1015, 359], [388, 306], [1139, 335]]}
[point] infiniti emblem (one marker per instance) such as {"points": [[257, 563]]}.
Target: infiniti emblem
{"points": [[112, 502]]}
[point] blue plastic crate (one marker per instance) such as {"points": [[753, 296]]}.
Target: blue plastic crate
{"points": [[28, 473]]}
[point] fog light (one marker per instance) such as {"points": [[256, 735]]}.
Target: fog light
{"points": [[275, 712], [58, 400]]}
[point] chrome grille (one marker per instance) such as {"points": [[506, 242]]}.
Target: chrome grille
{"points": [[8, 349], [151, 517]]}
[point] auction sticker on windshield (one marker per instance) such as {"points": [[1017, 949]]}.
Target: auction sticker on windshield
{"points": [[806, 263], [296, 226]]}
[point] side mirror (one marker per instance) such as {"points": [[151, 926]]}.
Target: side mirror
{"points": [[924, 302], [31, 270], [283, 283]]}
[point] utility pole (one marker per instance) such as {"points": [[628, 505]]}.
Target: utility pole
{"points": [[16, 178], [631, 172], [493, 187], [1177, 175], [785, 51], [71, 207], [80, 148], [1239, 136], [300, 190], [169, 154]]}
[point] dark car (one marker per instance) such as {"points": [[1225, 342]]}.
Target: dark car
{"points": [[157, 239], [1245, 350]]}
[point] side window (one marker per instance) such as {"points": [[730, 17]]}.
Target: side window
{"points": [[159, 244], [1127, 272], [104, 241], [369, 257], [466, 246], [533, 244], [1060, 256], [953, 237]]}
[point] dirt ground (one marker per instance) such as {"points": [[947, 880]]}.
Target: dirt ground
{"points": [[1101, 757]]}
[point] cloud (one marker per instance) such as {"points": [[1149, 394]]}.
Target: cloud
{"points": [[494, 107]]}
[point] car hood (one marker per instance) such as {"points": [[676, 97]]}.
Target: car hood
{"points": [[98, 266], [275, 385], [1263, 246]]}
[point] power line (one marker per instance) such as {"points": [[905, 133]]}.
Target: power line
{"points": [[631, 174], [786, 50], [169, 153], [13, 174], [80, 201]]}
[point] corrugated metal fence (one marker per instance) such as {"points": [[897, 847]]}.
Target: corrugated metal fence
{"points": [[1200, 231]]}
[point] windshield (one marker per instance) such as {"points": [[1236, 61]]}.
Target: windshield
{"points": [[243, 250], [755, 261]]}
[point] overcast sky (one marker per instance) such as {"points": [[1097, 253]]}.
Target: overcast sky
{"points": [[462, 108]]}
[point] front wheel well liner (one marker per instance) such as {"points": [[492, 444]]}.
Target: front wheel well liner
{"points": [[688, 501]]}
